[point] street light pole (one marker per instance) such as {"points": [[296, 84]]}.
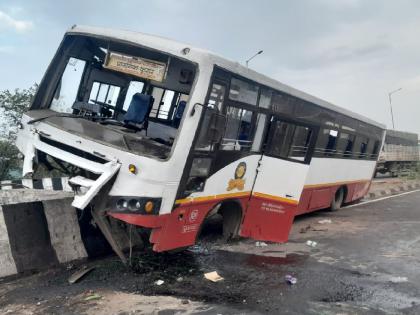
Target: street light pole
{"points": [[390, 105], [258, 53]]}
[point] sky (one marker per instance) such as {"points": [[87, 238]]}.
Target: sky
{"points": [[348, 52]]}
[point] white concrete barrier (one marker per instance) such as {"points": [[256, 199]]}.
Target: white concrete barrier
{"points": [[38, 229], [54, 183], [7, 264]]}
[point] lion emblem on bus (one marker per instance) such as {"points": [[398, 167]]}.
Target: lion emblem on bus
{"points": [[238, 182]]}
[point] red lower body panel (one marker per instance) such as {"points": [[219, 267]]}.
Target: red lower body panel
{"points": [[265, 217], [319, 197], [268, 219]]}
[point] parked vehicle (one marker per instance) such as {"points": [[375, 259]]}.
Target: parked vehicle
{"points": [[399, 154], [161, 135]]}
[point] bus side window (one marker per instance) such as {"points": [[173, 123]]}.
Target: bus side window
{"points": [[238, 131], [345, 144], [375, 150], [326, 143], [217, 96], [361, 147], [290, 141]]}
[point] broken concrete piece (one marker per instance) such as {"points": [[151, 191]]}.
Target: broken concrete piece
{"points": [[325, 221], [290, 279], [398, 279], [213, 276], [94, 296], [311, 243], [261, 244], [79, 274], [159, 282]]}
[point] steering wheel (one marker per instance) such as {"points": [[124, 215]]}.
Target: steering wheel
{"points": [[107, 106]]}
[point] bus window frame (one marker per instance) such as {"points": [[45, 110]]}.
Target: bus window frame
{"points": [[269, 137]]}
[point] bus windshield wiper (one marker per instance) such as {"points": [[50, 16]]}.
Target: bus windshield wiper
{"points": [[64, 115]]}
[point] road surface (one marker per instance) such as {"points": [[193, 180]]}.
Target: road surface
{"points": [[366, 261]]}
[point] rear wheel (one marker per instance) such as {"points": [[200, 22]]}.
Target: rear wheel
{"points": [[338, 199]]}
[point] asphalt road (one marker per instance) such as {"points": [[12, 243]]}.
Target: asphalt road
{"points": [[366, 261]]}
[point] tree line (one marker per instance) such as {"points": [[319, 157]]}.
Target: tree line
{"points": [[12, 105]]}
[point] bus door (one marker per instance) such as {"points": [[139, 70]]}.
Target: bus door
{"points": [[279, 181], [223, 162]]}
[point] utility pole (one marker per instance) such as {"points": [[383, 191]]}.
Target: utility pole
{"points": [[390, 105]]}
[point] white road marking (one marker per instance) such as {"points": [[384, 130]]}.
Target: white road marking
{"points": [[383, 198]]}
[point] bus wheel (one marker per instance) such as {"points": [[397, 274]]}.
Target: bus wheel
{"points": [[338, 199]]}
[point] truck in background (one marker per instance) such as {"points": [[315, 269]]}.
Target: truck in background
{"points": [[399, 154]]}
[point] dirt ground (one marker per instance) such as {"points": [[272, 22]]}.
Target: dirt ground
{"points": [[366, 261]]}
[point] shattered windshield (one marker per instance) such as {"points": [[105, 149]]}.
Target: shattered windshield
{"points": [[132, 90]]}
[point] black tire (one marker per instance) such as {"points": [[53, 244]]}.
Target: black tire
{"points": [[338, 199]]}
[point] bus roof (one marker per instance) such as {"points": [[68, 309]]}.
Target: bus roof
{"points": [[199, 55]]}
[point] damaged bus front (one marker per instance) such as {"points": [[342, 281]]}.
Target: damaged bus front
{"points": [[108, 113]]}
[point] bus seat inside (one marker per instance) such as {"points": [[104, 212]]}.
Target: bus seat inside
{"points": [[138, 112], [178, 114]]}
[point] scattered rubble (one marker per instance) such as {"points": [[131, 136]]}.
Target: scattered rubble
{"points": [[261, 244], [290, 279], [398, 279], [213, 276], [325, 221], [79, 274], [93, 296], [311, 243]]}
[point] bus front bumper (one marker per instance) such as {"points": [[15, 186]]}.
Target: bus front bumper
{"points": [[142, 220]]}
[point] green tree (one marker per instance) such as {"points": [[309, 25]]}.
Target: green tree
{"points": [[12, 105]]}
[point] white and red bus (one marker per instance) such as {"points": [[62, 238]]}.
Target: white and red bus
{"points": [[160, 135]]}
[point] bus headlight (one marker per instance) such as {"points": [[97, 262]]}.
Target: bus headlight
{"points": [[134, 205], [122, 204], [137, 205]]}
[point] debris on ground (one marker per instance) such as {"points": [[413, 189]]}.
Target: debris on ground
{"points": [[199, 249], [213, 276], [261, 244], [311, 243], [159, 282], [79, 274], [325, 221], [290, 279], [92, 297], [398, 279], [305, 229]]}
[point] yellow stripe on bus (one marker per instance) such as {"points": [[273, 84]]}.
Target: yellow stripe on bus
{"points": [[267, 196], [208, 198], [277, 198], [232, 195], [337, 183]]}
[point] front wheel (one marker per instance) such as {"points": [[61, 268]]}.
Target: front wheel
{"points": [[338, 199]]}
